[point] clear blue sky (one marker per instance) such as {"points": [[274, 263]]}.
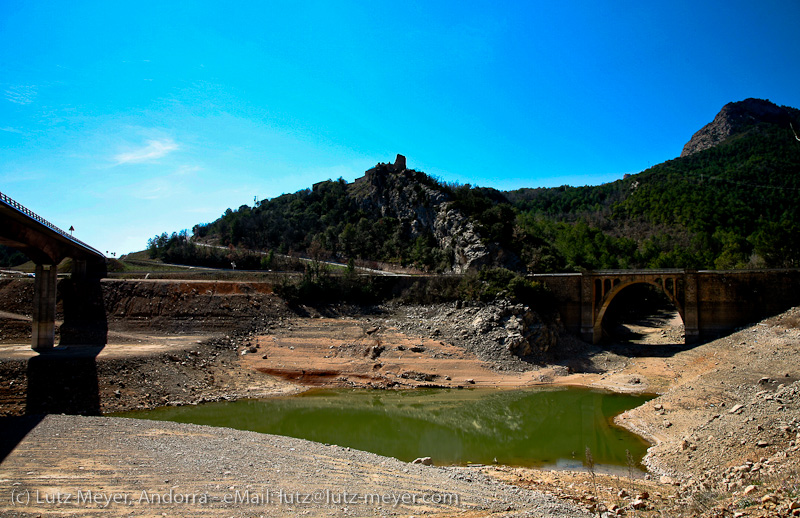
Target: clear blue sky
{"points": [[128, 119]]}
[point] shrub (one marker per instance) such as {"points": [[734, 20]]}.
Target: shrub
{"points": [[501, 283]]}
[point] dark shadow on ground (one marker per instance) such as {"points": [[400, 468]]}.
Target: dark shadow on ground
{"points": [[13, 430], [636, 309], [636, 350], [635, 313], [64, 380], [583, 357]]}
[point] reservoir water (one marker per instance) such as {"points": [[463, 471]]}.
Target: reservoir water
{"points": [[531, 427]]}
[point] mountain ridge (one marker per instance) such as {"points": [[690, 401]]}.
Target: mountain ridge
{"points": [[729, 202], [735, 118]]}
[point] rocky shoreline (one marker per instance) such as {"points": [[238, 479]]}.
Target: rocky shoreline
{"points": [[725, 424]]}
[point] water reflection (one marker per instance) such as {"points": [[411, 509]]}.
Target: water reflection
{"points": [[520, 427]]}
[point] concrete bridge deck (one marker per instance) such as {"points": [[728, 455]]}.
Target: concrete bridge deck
{"points": [[46, 245]]}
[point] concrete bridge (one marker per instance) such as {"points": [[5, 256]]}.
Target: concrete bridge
{"points": [[46, 245], [710, 302]]}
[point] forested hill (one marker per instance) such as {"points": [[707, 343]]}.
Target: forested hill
{"points": [[731, 201]]}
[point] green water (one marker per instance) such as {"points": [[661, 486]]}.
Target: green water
{"points": [[532, 427]]}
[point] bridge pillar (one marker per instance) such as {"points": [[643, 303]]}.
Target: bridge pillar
{"points": [[691, 320], [43, 336], [587, 308], [78, 268]]}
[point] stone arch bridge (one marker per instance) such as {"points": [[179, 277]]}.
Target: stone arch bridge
{"points": [[710, 302]]}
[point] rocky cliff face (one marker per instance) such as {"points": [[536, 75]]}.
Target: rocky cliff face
{"points": [[422, 207], [735, 118], [397, 192], [456, 232]]}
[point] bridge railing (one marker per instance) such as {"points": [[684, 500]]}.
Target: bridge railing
{"points": [[26, 211]]}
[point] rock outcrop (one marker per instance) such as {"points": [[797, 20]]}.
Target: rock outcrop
{"points": [[507, 335], [397, 192], [423, 207], [736, 118], [514, 327], [457, 233]]}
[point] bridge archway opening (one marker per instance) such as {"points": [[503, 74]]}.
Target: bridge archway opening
{"points": [[640, 312]]}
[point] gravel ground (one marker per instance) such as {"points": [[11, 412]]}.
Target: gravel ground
{"points": [[170, 469]]}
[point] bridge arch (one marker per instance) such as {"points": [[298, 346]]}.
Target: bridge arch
{"points": [[711, 302], [600, 287], [669, 286]]}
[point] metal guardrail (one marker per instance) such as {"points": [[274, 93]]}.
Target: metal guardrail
{"points": [[26, 211]]}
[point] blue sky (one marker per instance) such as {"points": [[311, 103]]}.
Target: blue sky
{"points": [[128, 119]]}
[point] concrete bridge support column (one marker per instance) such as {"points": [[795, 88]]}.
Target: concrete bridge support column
{"points": [[79, 269], [691, 320], [44, 307], [587, 309]]}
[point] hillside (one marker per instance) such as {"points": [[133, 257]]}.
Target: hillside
{"points": [[736, 118], [11, 257], [733, 205], [730, 201], [392, 214]]}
